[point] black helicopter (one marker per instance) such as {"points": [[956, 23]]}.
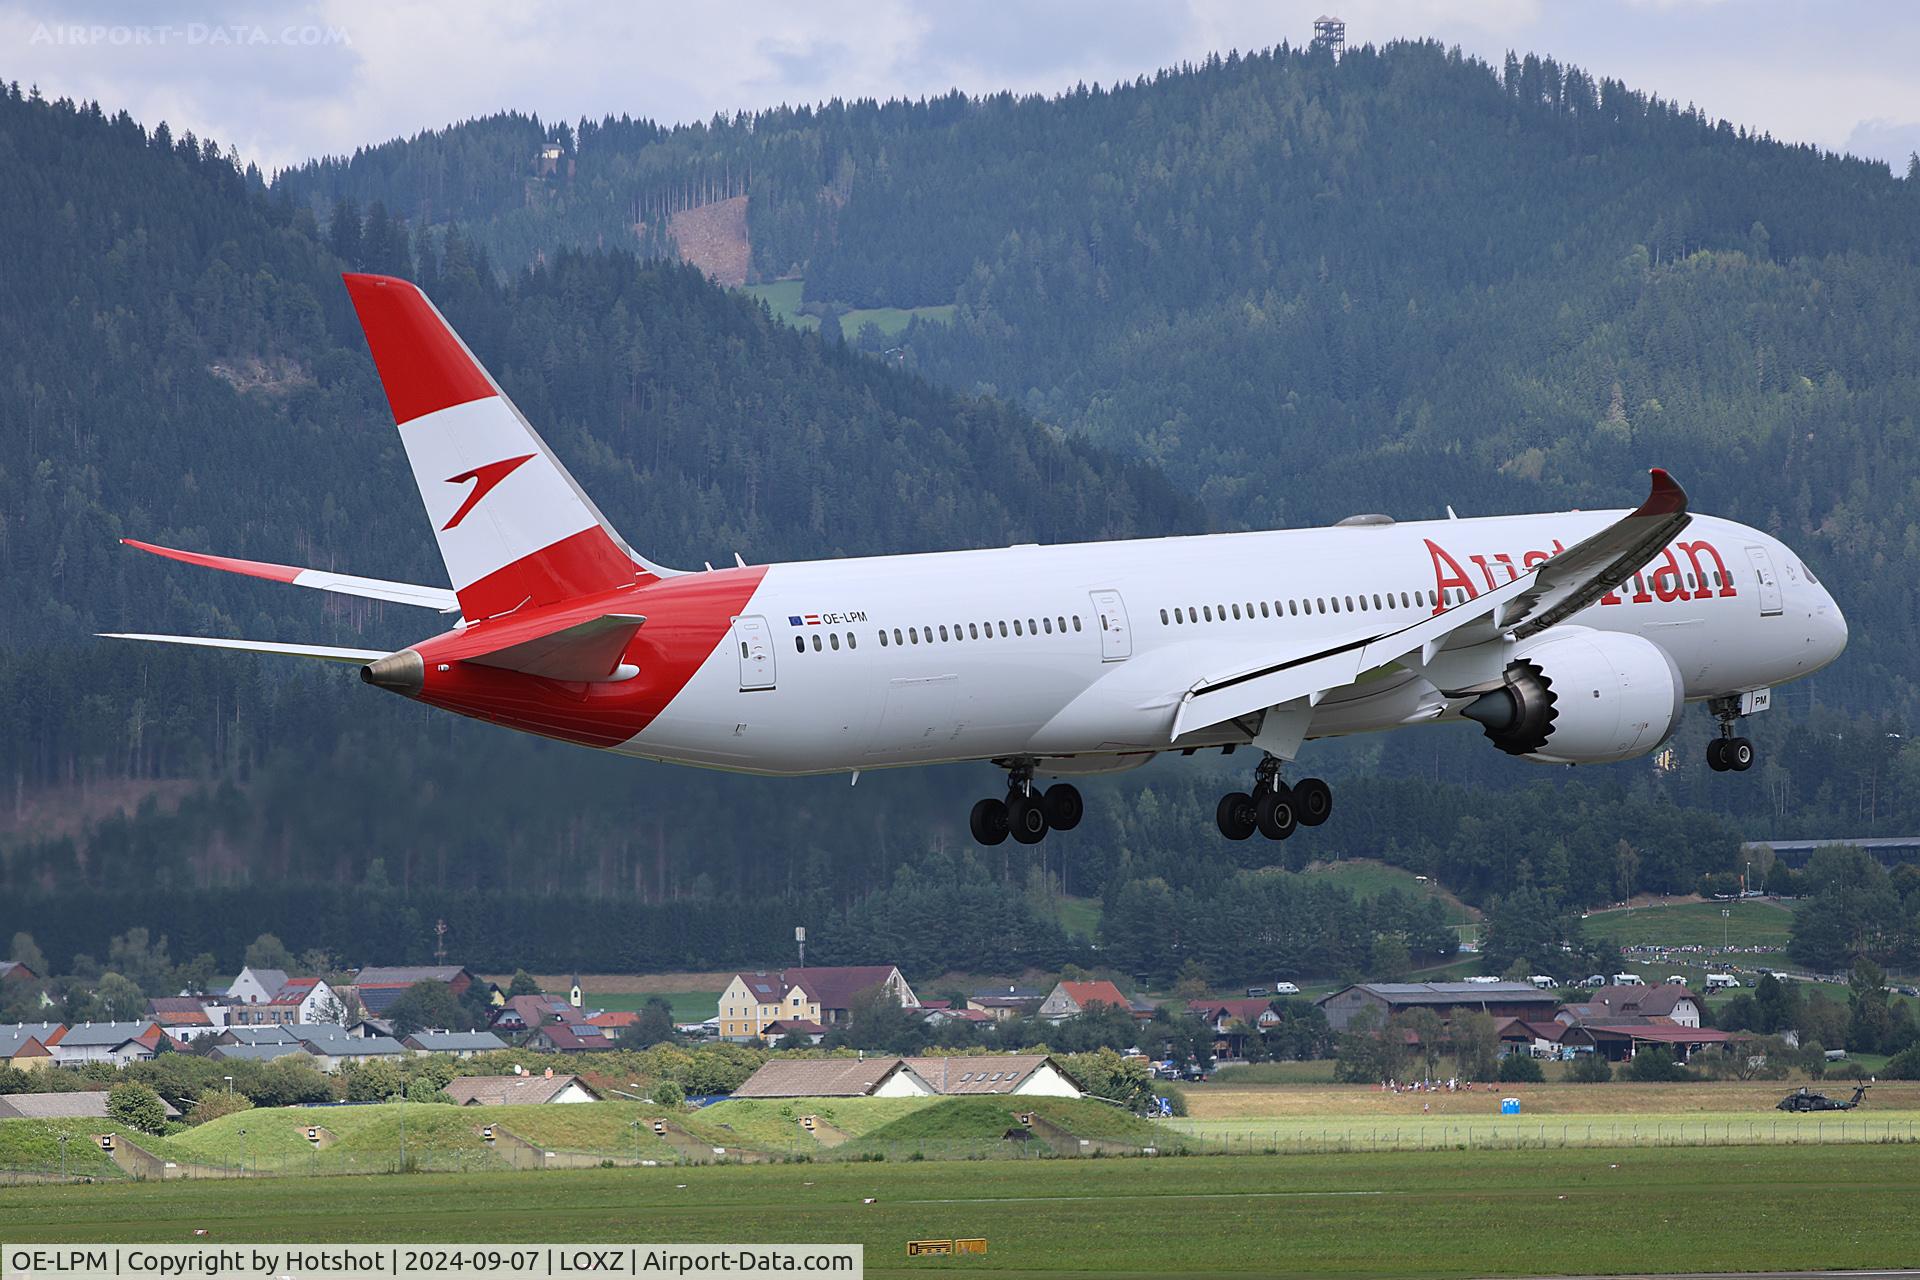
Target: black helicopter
{"points": [[1803, 1100]]}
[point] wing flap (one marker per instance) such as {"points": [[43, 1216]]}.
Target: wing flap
{"points": [[1546, 595], [439, 598]]}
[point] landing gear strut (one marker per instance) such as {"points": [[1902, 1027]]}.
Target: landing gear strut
{"points": [[1728, 752], [1273, 808], [1028, 813]]}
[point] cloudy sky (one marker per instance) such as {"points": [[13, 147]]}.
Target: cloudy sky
{"points": [[284, 82]]}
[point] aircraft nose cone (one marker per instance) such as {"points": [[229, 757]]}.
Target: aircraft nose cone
{"points": [[1830, 632]]}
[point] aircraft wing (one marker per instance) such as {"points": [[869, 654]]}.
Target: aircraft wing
{"points": [[440, 598], [1543, 596]]}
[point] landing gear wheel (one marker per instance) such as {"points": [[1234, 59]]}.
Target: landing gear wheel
{"points": [[1738, 755], [1027, 818], [1312, 801], [1235, 815], [1275, 813], [989, 821], [1717, 754], [1064, 806]]}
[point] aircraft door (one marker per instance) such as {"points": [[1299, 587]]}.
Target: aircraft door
{"points": [[753, 640], [1116, 638], [1770, 604]]}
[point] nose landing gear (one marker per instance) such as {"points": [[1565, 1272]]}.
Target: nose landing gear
{"points": [[1273, 808], [1027, 814], [1728, 752]]}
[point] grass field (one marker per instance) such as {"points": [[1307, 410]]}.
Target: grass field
{"points": [[783, 298], [1622, 1100], [1080, 916], [688, 1006], [893, 321], [1392, 1214], [1751, 923]]}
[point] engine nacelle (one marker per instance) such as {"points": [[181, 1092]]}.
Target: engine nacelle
{"points": [[1590, 697]]}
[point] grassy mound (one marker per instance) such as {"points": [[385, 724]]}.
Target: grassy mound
{"points": [[970, 1119], [773, 1124], [34, 1146]]}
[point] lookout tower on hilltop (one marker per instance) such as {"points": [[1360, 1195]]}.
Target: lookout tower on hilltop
{"points": [[1329, 34]]}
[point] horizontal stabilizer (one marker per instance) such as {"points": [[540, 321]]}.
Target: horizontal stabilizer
{"points": [[588, 651], [325, 653], [320, 579]]}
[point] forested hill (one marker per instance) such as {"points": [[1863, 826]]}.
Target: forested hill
{"points": [[1308, 288], [182, 365]]}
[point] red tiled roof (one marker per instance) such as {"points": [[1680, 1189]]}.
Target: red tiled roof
{"points": [[1102, 992], [615, 1018]]}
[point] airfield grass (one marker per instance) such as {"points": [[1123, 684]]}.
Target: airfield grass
{"points": [[1695, 924], [1621, 1100], [1438, 1214]]}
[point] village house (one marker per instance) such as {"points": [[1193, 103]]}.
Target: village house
{"points": [[1501, 999], [822, 995], [256, 986], [571, 1037], [83, 1104], [272, 1052], [1232, 1020], [115, 1042], [461, 1044], [1007, 1002], [22, 1048], [520, 1090], [1071, 999], [186, 1018], [1671, 1001]]}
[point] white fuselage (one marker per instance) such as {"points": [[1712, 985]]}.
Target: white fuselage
{"points": [[1076, 656]]}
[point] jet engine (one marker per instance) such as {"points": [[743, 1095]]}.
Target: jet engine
{"points": [[1590, 697]]}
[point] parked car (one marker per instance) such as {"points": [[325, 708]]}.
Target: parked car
{"points": [[1543, 981], [1628, 980], [1285, 989]]}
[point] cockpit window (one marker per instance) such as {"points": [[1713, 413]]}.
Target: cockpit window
{"points": [[1808, 570]]}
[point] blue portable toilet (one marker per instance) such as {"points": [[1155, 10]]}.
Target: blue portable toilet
{"points": [[1509, 1106]]}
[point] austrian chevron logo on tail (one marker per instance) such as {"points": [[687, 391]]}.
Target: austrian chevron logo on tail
{"points": [[484, 479]]}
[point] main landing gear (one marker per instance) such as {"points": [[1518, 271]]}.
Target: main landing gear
{"points": [[1028, 813], [1728, 752], [1273, 808]]}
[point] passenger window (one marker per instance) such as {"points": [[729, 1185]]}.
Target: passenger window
{"points": [[1031, 629], [1336, 604], [1376, 600], [1062, 620], [1263, 608], [799, 644], [943, 631], [1049, 622], [816, 642], [1209, 612], [1003, 631], [1076, 622], [1236, 613], [833, 641], [913, 635], [1363, 602], [1164, 620], [973, 630], [1016, 627], [897, 638], [852, 641]]}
